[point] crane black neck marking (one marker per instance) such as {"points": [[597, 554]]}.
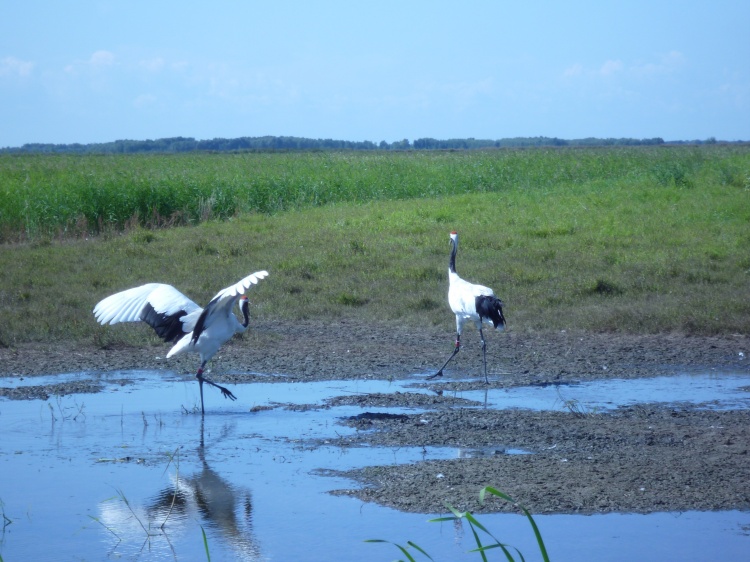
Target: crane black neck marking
{"points": [[452, 261]]}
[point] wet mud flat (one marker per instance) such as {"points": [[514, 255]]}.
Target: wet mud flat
{"points": [[643, 458]]}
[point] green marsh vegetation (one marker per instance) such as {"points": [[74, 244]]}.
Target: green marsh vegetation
{"points": [[638, 240], [475, 526]]}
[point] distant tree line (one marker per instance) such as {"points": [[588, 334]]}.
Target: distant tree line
{"points": [[524, 142], [189, 144], [271, 143]]}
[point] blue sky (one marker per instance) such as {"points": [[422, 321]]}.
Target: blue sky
{"points": [[97, 71]]}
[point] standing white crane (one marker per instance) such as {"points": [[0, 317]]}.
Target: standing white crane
{"points": [[176, 318], [470, 302]]}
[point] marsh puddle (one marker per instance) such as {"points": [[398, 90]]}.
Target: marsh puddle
{"points": [[717, 391], [128, 474]]}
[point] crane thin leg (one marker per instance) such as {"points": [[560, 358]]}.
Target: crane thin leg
{"points": [[455, 350]]}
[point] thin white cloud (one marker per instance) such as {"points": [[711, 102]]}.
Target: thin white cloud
{"points": [[674, 59], [11, 66], [102, 58], [735, 92], [663, 64], [610, 68], [666, 63], [575, 70], [153, 65], [97, 61]]}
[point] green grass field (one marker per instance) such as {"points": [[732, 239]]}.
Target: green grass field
{"points": [[638, 240]]}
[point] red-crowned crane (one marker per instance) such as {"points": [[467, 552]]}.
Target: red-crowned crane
{"points": [[176, 318], [470, 302]]}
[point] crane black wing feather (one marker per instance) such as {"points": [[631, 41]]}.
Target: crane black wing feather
{"points": [[168, 327], [200, 325], [491, 307]]}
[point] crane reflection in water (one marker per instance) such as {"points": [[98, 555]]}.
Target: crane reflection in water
{"points": [[222, 509]]}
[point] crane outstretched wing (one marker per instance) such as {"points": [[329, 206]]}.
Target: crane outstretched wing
{"points": [[223, 303], [170, 313], [238, 288]]}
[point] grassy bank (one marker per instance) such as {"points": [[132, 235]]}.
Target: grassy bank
{"points": [[632, 254]]}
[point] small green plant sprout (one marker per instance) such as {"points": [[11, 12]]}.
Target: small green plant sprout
{"points": [[96, 519], [6, 520], [147, 530], [174, 457], [576, 408], [65, 410]]}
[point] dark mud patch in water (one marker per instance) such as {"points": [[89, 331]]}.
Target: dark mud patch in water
{"points": [[44, 392]]}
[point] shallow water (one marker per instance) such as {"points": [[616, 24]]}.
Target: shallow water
{"points": [[93, 477], [721, 391]]}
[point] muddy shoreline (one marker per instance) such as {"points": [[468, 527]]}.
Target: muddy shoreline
{"points": [[635, 459]]}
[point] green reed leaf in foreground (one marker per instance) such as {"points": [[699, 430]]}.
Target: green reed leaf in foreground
{"points": [[476, 527], [489, 490], [403, 549], [106, 527], [205, 543], [474, 524]]}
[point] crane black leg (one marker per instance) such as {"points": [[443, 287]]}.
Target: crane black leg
{"points": [[201, 379], [199, 376], [484, 356], [455, 350]]}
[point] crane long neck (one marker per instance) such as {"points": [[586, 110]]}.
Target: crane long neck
{"points": [[452, 261]]}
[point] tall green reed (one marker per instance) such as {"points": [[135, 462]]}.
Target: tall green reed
{"points": [[50, 195]]}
